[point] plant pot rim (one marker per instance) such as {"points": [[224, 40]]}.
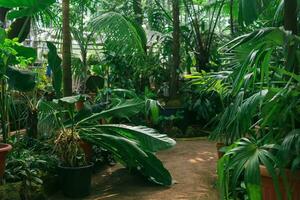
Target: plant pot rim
{"points": [[293, 175], [5, 147], [76, 168]]}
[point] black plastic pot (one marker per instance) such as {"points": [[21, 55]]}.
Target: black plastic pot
{"points": [[76, 181]]}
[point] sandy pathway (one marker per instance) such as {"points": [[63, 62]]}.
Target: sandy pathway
{"points": [[192, 164]]}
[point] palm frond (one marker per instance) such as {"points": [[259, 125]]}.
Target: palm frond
{"points": [[118, 34]]}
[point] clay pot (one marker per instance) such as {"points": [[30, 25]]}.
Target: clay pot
{"points": [[87, 149], [219, 145], [268, 187], [4, 149]]}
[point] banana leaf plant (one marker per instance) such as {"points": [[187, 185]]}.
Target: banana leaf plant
{"points": [[133, 146], [13, 54]]}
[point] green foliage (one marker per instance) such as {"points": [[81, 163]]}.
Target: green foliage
{"points": [[11, 54], [117, 30], [28, 7], [29, 162], [146, 138], [67, 148], [54, 62], [21, 80], [264, 85], [123, 109], [243, 160], [133, 146], [291, 150], [206, 94]]}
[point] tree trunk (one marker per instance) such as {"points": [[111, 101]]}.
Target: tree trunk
{"points": [[66, 54], [84, 70], [290, 24], [32, 123], [138, 11], [176, 49], [290, 16]]}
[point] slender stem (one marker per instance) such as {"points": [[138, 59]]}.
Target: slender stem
{"points": [[4, 114], [214, 27]]}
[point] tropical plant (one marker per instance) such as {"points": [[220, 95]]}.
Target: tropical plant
{"points": [[133, 146], [243, 160], [29, 163], [67, 148], [264, 83], [12, 54]]}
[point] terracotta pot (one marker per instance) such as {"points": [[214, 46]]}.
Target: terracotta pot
{"points": [[79, 105], [219, 145], [268, 187], [88, 150], [4, 149]]}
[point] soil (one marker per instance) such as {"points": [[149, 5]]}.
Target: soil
{"points": [[192, 164]]}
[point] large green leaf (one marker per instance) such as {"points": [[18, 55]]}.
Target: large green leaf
{"points": [[247, 11], [28, 7], [147, 138], [130, 155], [54, 62], [27, 53], [21, 80], [124, 109], [20, 29]]}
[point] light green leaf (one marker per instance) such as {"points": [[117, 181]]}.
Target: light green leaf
{"points": [[147, 138]]}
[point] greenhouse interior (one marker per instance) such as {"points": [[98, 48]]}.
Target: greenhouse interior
{"points": [[150, 99]]}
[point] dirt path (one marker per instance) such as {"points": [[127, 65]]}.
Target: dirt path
{"points": [[191, 163]]}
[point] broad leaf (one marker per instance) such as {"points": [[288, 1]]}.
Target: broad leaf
{"points": [[131, 156], [124, 109], [21, 80], [147, 138]]}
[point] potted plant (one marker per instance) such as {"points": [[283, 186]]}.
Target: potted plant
{"points": [[263, 121], [133, 145], [11, 54], [4, 149], [289, 179], [74, 170]]}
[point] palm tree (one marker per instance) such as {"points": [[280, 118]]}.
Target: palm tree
{"points": [[66, 54]]}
